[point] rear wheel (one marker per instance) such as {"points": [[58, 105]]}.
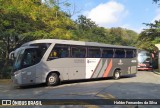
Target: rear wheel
{"points": [[116, 74], [52, 79]]}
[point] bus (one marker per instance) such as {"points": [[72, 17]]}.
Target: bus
{"points": [[144, 60], [52, 61]]}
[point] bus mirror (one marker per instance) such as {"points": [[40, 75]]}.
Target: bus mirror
{"points": [[11, 56]]}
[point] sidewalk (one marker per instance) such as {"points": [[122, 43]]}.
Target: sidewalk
{"points": [[5, 81], [156, 71]]}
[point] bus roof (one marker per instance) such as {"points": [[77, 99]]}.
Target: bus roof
{"points": [[72, 42]]}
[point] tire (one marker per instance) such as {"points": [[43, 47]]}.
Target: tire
{"points": [[116, 74], [52, 79]]}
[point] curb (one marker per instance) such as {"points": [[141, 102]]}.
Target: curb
{"points": [[158, 73], [5, 81]]}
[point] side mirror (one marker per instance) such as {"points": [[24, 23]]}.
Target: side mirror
{"points": [[11, 56]]}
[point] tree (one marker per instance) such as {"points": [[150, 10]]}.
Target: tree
{"points": [[120, 36], [26, 20], [149, 37]]}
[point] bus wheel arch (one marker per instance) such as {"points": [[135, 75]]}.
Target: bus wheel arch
{"points": [[53, 78], [117, 73]]}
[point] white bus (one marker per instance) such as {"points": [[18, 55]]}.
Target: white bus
{"points": [[51, 61], [144, 60]]}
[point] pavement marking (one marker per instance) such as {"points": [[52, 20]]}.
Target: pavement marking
{"points": [[106, 96]]}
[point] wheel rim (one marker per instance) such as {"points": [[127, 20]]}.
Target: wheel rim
{"points": [[117, 74], [51, 79]]}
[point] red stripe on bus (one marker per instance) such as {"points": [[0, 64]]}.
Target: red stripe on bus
{"points": [[108, 69], [95, 68]]}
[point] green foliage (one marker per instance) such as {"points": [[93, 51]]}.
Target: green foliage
{"points": [[149, 37], [87, 30], [25, 20]]}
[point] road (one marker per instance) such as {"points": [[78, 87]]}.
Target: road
{"points": [[145, 85]]}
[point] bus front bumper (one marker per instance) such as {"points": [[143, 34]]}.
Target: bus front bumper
{"points": [[14, 81], [144, 68]]}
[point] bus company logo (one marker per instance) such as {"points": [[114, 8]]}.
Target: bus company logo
{"points": [[6, 102], [120, 62], [90, 61]]}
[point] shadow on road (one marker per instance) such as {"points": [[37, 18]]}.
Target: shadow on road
{"points": [[72, 82]]}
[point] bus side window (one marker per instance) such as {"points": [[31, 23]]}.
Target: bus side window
{"points": [[94, 53], [129, 54], [119, 53], [43, 46], [53, 55], [78, 52], [107, 53], [59, 51], [31, 57]]}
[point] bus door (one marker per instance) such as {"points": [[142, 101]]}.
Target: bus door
{"points": [[30, 59], [77, 69], [77, 66]]}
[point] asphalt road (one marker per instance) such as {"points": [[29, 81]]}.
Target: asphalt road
{"points": [[145, 85]]}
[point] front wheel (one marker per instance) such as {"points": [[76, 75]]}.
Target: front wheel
{"points": [[116, 74], [52, 79]]}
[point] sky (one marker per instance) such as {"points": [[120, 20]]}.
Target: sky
{"points": [[129, 14]]}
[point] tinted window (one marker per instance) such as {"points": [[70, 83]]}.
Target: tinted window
{"points": [[94, 52], [119, 53], [59, 51], [31, 57], [43, 46], [107, 53], [79, 52], [18, 60], [129, 53]]}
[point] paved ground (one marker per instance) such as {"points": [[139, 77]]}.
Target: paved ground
{"points": [[145, 85]]}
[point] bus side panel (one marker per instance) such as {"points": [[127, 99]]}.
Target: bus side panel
{"points": [[121, 64], [29, 75], [76, 68], [126, 67], [60, 65], [93, 65], [69, 68], [98, 69], [105, 65], [134, 66]]}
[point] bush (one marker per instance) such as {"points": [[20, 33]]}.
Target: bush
{"points": [[6, 72]]}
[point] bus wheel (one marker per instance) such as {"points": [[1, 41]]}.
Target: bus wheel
{"points": [[52, 79], [116, 74]]}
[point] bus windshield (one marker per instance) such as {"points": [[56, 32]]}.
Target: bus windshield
{"points": [[27, 57], [143, 57], [18, 59]]}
